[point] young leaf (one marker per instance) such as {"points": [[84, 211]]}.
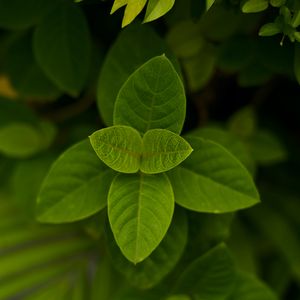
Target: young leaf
{"points": [[162, 260], [162, 151], [210, 277], [152, 97], [134, 46], [119, 147], [157, 8], [62, 47], [253, 6], [140, 209], [76, 186], [269, 29], [212, 180]]}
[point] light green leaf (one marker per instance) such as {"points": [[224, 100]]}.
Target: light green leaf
{"points": [[253, 6], [210, 277], [152, 97], [162, 151], [134, 46], [250, 288], [162, 260], [269, 29], [119, 147], [157, 8], [212, 180], [19, 14], [118, 4], [76, 186], [62, 47], [266, 148], [140, 209]]}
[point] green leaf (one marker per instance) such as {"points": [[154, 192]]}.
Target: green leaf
{"points": [[277, 3], [179, 297], [250, 288], [134, 46], [266, 148], [19, 14], [162, 260], [269, 29], [76, 186], [210, 277], [157, 8], [133, 8], [140, 209], [152, 97], [212, 180], [119, 147], [62, 47], [253, 6], [162, 151], [24, 73]]}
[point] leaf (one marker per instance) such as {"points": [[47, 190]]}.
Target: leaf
{"points": [[212, 180], [157, 8], [19, 14], [269, 29], [76, 186], [266, 148], [119, 147], [152, 97], [250, 288], [253, 6], [62, 47], [210, 277], [134, 46], [162, 151], [24, 73], [162, 260], [140, 209], [133, 8]]}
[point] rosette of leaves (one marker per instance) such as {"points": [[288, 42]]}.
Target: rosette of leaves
{"points": [[141, 166]]}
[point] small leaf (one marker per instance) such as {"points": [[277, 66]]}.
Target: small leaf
{"points": [[76, 186], [162, 151], [162, 260], [134, 46], [157, 8], [210, 277], [140, 209], [119, 147], [277, 3], [152, 97], [253, 6], [118, 4], [212, 180], [269, 29], [62, 47]]}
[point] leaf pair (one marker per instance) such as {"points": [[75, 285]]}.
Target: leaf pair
{"points": [[124, 150]]}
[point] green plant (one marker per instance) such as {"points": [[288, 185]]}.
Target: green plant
{"points": [[130, 158]]}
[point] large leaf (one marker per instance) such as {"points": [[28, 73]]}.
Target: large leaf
{"points": [[157, 8], [162, 260], [119, 147], [140, 209], [62, 47], [19, 14], [134, 46], [152, 97], [163, 150], [210, 277], [250, 288], [212, 180], [76, 186]]}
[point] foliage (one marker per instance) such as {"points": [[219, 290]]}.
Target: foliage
{"points": [[130, 157]]}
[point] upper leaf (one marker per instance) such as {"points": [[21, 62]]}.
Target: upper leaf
{"points": [[152, 97], [62, 47], [119, 147], [212, 180], [140, 209], [163, 150], [134, 46], [157, 8], [210, 277], [75, 187]]}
